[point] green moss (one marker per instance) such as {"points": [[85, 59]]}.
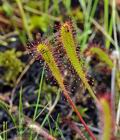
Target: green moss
{"points": [[11, 64]]}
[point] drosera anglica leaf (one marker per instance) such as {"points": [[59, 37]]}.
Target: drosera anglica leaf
{"points": [[44, 49], [101, 53], [65, 67], [69, 44], [106, 118]]}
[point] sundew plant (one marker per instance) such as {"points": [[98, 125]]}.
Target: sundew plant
{"points": [[60, 69], [63, 55]]}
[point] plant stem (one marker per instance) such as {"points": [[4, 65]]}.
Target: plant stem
{"points": [[77, 112]]}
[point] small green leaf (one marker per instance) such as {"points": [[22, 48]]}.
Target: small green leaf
{"points": [[7, 8], [39, 22], [82, 111], [103, 56]]}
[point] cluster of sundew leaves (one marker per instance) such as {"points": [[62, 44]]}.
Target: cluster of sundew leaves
{"points": [[66, 56], [63, 59], [47, 52], [43, 51], [70, 65]]}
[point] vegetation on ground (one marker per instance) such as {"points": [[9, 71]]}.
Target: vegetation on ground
{"points": [[60, 69]]}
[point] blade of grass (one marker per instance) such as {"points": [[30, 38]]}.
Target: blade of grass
{"points": [[114, 26], [37, 12], [117, 117], [47, 2], [5, 106], [1, 137], [49, 125], [56, 6], [7, 130], [109, 32], [57, 127], [4, 130], [88, 13], [94, 8], [106, 11], [39, 91], [117, 49], [45, 107], [86, 23], [38, 100], [20, 115], [83, 5], [3, 127], [24, 19], [51, 109], [100, 28], [108, 26], [58, 95]]}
